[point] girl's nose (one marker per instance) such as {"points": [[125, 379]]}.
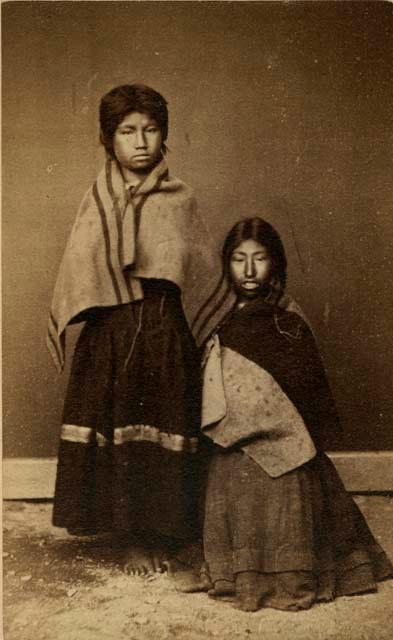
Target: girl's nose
{"points": [[250, 268], [140, 139]]}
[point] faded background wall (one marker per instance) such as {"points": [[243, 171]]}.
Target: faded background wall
{"points": [[277, 109]]}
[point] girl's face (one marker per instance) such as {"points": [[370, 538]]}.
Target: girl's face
{"points": [[250, 268], [137, 143]]}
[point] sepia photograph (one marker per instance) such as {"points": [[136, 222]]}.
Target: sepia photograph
{"points": [[197, 319]]}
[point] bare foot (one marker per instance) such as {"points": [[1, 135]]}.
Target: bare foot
{"points": [[223, 590], [141, 561], [187, 579]]}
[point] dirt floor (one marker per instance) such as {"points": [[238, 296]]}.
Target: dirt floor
{"points": [[61, 588]]}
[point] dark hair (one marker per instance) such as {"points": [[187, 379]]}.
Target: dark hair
{"points": [[262, 232], [121, 101]]}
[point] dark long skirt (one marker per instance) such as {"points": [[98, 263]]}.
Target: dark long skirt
{"points": [[127, 457], [286, 542]]}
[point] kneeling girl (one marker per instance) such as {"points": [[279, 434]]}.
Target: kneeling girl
{"points": [[280, 529]]}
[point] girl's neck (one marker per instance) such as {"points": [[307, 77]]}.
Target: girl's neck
{"points": [[133, 178], [263, 296], [244, 303]]}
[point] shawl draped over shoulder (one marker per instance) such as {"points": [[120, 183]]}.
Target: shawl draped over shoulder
{"points": [[265, 388], [119, 238]]}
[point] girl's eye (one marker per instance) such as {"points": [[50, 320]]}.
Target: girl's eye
{"points": [[237, 259], [151, 130]]}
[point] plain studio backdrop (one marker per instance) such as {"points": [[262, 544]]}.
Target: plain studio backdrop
{"points": [[277, 109]]}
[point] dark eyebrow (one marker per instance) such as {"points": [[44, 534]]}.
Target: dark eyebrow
{"points": [[132, 126], [242, 253]]}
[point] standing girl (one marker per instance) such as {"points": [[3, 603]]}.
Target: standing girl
{"points": [[280, 530], [127, 458]]}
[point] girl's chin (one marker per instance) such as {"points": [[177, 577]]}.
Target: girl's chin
{"points": [[251, 294]]}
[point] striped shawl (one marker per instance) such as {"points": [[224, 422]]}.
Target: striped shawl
{"points": [[118, 238]]}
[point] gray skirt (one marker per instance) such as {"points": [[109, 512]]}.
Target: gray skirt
{"points": [[286, 542]]}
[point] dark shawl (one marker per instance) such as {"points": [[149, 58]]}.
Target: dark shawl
{"points": [[276, 394]]}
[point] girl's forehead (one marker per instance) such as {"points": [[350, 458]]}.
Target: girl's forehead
{"points": [[135, 118], [250, 245]]}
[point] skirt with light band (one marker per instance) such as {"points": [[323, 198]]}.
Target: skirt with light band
{"points": [[128, 456]]}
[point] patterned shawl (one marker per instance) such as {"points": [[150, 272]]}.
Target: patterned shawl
{"points": [[118, 238], [265, 388]]}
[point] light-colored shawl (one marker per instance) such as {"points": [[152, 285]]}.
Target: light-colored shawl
{"points": [[243, 402], [118, 238]]}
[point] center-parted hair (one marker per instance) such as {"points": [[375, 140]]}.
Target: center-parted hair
{"points": [[261, 231], [249, 228], [122, 100]]}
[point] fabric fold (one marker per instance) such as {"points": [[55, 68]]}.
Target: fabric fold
{"points": [[254, 414], [119, 238]]}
